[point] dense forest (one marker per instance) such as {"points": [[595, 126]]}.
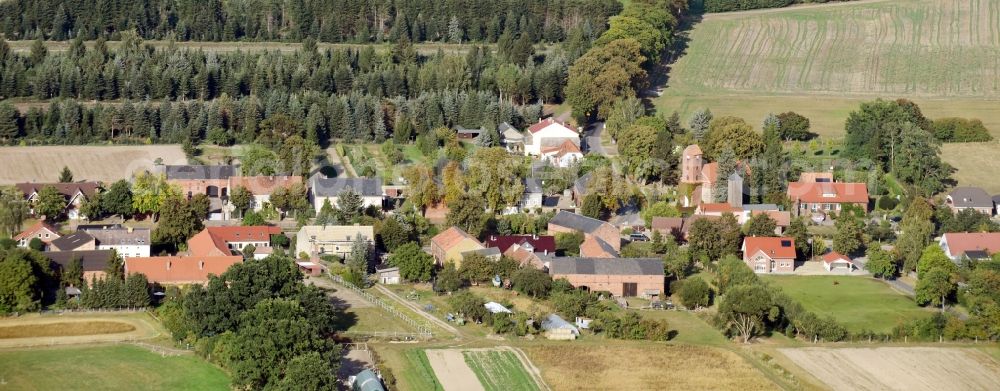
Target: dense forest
{"points": [[294, 20], [345, 93]]}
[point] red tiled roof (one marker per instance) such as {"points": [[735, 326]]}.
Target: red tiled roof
{"points": [[265, 185], [961, 242], [544, 124], [783, 218], [667, 223], [213, 241], [720, 207], [35, 228], [709, 172], [180, 269], [524, 257], [775, 248], [567, 147], [450, 237], [835, 256], [832, 193], [539, 243]]}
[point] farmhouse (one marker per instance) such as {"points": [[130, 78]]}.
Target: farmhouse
{"points": [[536, 243], [180, 270], [77, 241], [94, 262], [450, 244], [822, 198], [960, 244], [834, 261], [628, 277], [562, 155], [769, 255], [41, 231], [75, 195], [127, 241], [548, 133], [566, 222], [525, 256], [318, 240], [224, 241], [962, 198], [261, 187], [370, 190]]}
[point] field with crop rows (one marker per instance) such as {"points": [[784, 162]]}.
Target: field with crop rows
{"points": [[823, 61], [499, 370]]}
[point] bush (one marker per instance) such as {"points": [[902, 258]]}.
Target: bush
{"points": [[694, 293], [960, 130], [887, 202]]}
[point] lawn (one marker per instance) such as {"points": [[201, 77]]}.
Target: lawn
{"points": [[859, 303], [822, 62], [499, 370], [626, 365], [690, 329], [118, 367]]}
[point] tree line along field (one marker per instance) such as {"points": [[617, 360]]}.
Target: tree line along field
{"points": [[423, 48], [823, 61]]}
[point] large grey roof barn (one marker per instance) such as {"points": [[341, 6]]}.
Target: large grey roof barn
{"points": [[604, 266], [200, 172], [332, 187]]}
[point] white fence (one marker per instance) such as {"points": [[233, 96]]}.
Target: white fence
{"points": [[423, 331]]}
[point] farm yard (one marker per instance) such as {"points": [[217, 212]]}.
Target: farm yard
{"points": [[119, 367], [96, 163], [859, 303], [823, 61], [892, 368]]}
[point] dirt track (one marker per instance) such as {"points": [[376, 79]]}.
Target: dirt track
{"points": [[889, 368], [96, 163], [452, 371], [145, 328]]}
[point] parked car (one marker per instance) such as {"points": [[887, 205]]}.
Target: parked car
{"points": [[638, 237]]}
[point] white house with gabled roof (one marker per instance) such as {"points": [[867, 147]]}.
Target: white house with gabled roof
{"points": [[548, 133]]}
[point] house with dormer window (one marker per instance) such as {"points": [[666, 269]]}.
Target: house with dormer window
{"points": [[769, 254], [818, 195]]}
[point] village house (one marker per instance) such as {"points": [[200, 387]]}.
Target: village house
{"points": [[769, 254], [450, 244], [566, 222], [75, 194], [212, 181], [511, 138], [531, 199], [323, 189], [180, 270], [94, 262], [318, 240], [548, 133], [126, 241], [974, 198], [225, 241], [563, 155], [821, 197], [972, 245], [580, 188], [41, 231], [544, 244], [623, 277]]}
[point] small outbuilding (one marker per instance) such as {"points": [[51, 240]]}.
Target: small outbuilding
{"points": [[310, 268], [557, 328], [497, 308], [389, 276], [366, 380], [836, 261]]}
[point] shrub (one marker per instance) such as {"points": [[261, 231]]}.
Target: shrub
{"points": [[694, 293], [960, 130], [887, 202]]}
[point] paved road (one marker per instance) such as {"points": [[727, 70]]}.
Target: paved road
{"points": [[592, 135], [420, 311]]}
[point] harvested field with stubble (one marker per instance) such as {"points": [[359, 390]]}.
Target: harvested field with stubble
{"points": [[823, 61], [893, 368], [78, 328], [621, 366], [100, 163]]}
